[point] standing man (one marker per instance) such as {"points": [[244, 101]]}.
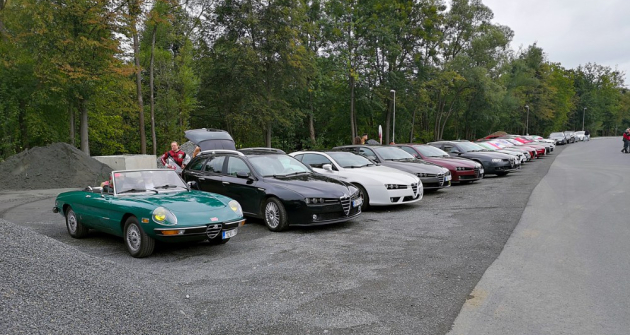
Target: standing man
{"points": [[626, 141], [176, 158], [364, 138], [587, 135]]}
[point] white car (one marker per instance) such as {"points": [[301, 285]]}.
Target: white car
{"points": [[379, 185], [579, 135]]}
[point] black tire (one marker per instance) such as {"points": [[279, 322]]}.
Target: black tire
{"points": [[75, 228], [138, 243], [501, 174], [275, 215], [366, 198]]}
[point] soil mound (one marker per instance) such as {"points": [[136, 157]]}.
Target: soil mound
{"points": [[59, 165]]}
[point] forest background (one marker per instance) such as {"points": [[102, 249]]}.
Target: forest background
{"points": [[129, 76]]}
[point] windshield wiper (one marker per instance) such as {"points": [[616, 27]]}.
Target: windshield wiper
{"points": [[289, 174], [168, 186], [132, 190]]}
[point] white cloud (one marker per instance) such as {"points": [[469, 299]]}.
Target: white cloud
{"points": [[570, 32]]}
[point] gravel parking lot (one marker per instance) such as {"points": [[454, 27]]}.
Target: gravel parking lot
{"points": [[398, 270]]}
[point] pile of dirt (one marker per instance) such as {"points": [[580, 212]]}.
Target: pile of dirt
{"points": [[59, 165]]}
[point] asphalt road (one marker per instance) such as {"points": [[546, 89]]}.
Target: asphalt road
{"points": [[566, 268], [397, 270]]}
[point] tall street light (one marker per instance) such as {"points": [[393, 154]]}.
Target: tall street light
{"points": [[583, 114], [527, 125], [394, 126]]}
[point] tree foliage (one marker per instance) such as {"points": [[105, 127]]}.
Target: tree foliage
{"points": [[291, 74]]}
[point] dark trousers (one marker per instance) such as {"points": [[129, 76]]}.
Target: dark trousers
{"points": [[626, 146]]}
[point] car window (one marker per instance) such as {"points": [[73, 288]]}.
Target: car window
{"points": [[197, 165], [236, 165], [215, 164], [367, 152], [449, 148], [410, 151], [299, 157], [315, 160]]}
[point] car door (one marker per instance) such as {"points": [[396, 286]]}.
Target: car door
{"points": [[243, 190], [210, 177]]}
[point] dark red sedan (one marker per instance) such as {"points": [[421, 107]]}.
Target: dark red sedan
{"points": [[462, 169]]}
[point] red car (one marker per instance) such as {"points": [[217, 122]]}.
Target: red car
{"points": [[462, 169]]}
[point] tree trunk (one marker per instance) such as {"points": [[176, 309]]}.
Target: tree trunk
{"points": [[85, 144], [352, 116], [311, 123], [413, 121], [136, 56], [153, 138], [72, 123], [268, 135], [387, 120], [23, 125]]}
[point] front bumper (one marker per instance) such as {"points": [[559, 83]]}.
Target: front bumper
{"points": [[201, 232]]}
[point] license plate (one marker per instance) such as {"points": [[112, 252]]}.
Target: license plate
{"points": [[357, 203], [447, 178], [230, 233]]}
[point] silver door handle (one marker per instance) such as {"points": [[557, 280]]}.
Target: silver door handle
{"points": [[88, 196], [226, 183]]}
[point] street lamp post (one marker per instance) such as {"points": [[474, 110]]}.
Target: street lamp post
{"points": [[527, 124], [394, 125], [583, 115]]}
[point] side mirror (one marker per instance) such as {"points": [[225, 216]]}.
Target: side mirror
{"points": [[242, 175], [193, 184], [327, 167]]}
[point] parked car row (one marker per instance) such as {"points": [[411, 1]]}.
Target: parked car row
{"points": [[568, 136], [220, 187]]}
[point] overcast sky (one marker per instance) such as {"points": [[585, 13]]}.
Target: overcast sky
{"points": [[570, 32]]}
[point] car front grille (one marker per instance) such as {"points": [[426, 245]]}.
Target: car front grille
{"points": [[440, 178], [414, 188], [213, 230], [345, 203]]}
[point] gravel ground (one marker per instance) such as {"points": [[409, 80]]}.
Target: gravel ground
{"points": [[49, 287], [395, 270]]}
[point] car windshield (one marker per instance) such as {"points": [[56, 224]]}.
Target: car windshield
{"points": [[277, 165], [556, 135], [430, 151], [349, 160], [394, 154], [141, 181], [486, 146], [581, 132], [469, 146]]}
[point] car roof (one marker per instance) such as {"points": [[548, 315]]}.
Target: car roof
{"points": [[261, 151]]}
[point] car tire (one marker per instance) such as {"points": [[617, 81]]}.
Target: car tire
{"points": [[275, 215], [138, 243], [366, 197], [75, 228]]}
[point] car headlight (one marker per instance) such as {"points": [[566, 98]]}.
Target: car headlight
{"points": [[391, 186], [163, 216], [236, 207], [497, 160]]}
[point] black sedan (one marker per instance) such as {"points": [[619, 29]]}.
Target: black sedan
{"points": [[433, 176], [496, 163], [274, 186]]}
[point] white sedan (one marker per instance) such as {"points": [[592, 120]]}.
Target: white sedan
{"points": [[379, 185]]}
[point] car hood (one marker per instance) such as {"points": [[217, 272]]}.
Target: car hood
{"points": [[184, 202], [383, 174], [415, 167], [452, 161], [311, 185]]}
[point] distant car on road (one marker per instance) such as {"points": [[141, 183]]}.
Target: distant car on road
{"points": [[558, 137], [579, 135], [143, 206], [496, 163], [463, 170], [570, 136]]}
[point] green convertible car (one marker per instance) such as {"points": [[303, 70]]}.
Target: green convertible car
{"points": [[143, 206]]}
